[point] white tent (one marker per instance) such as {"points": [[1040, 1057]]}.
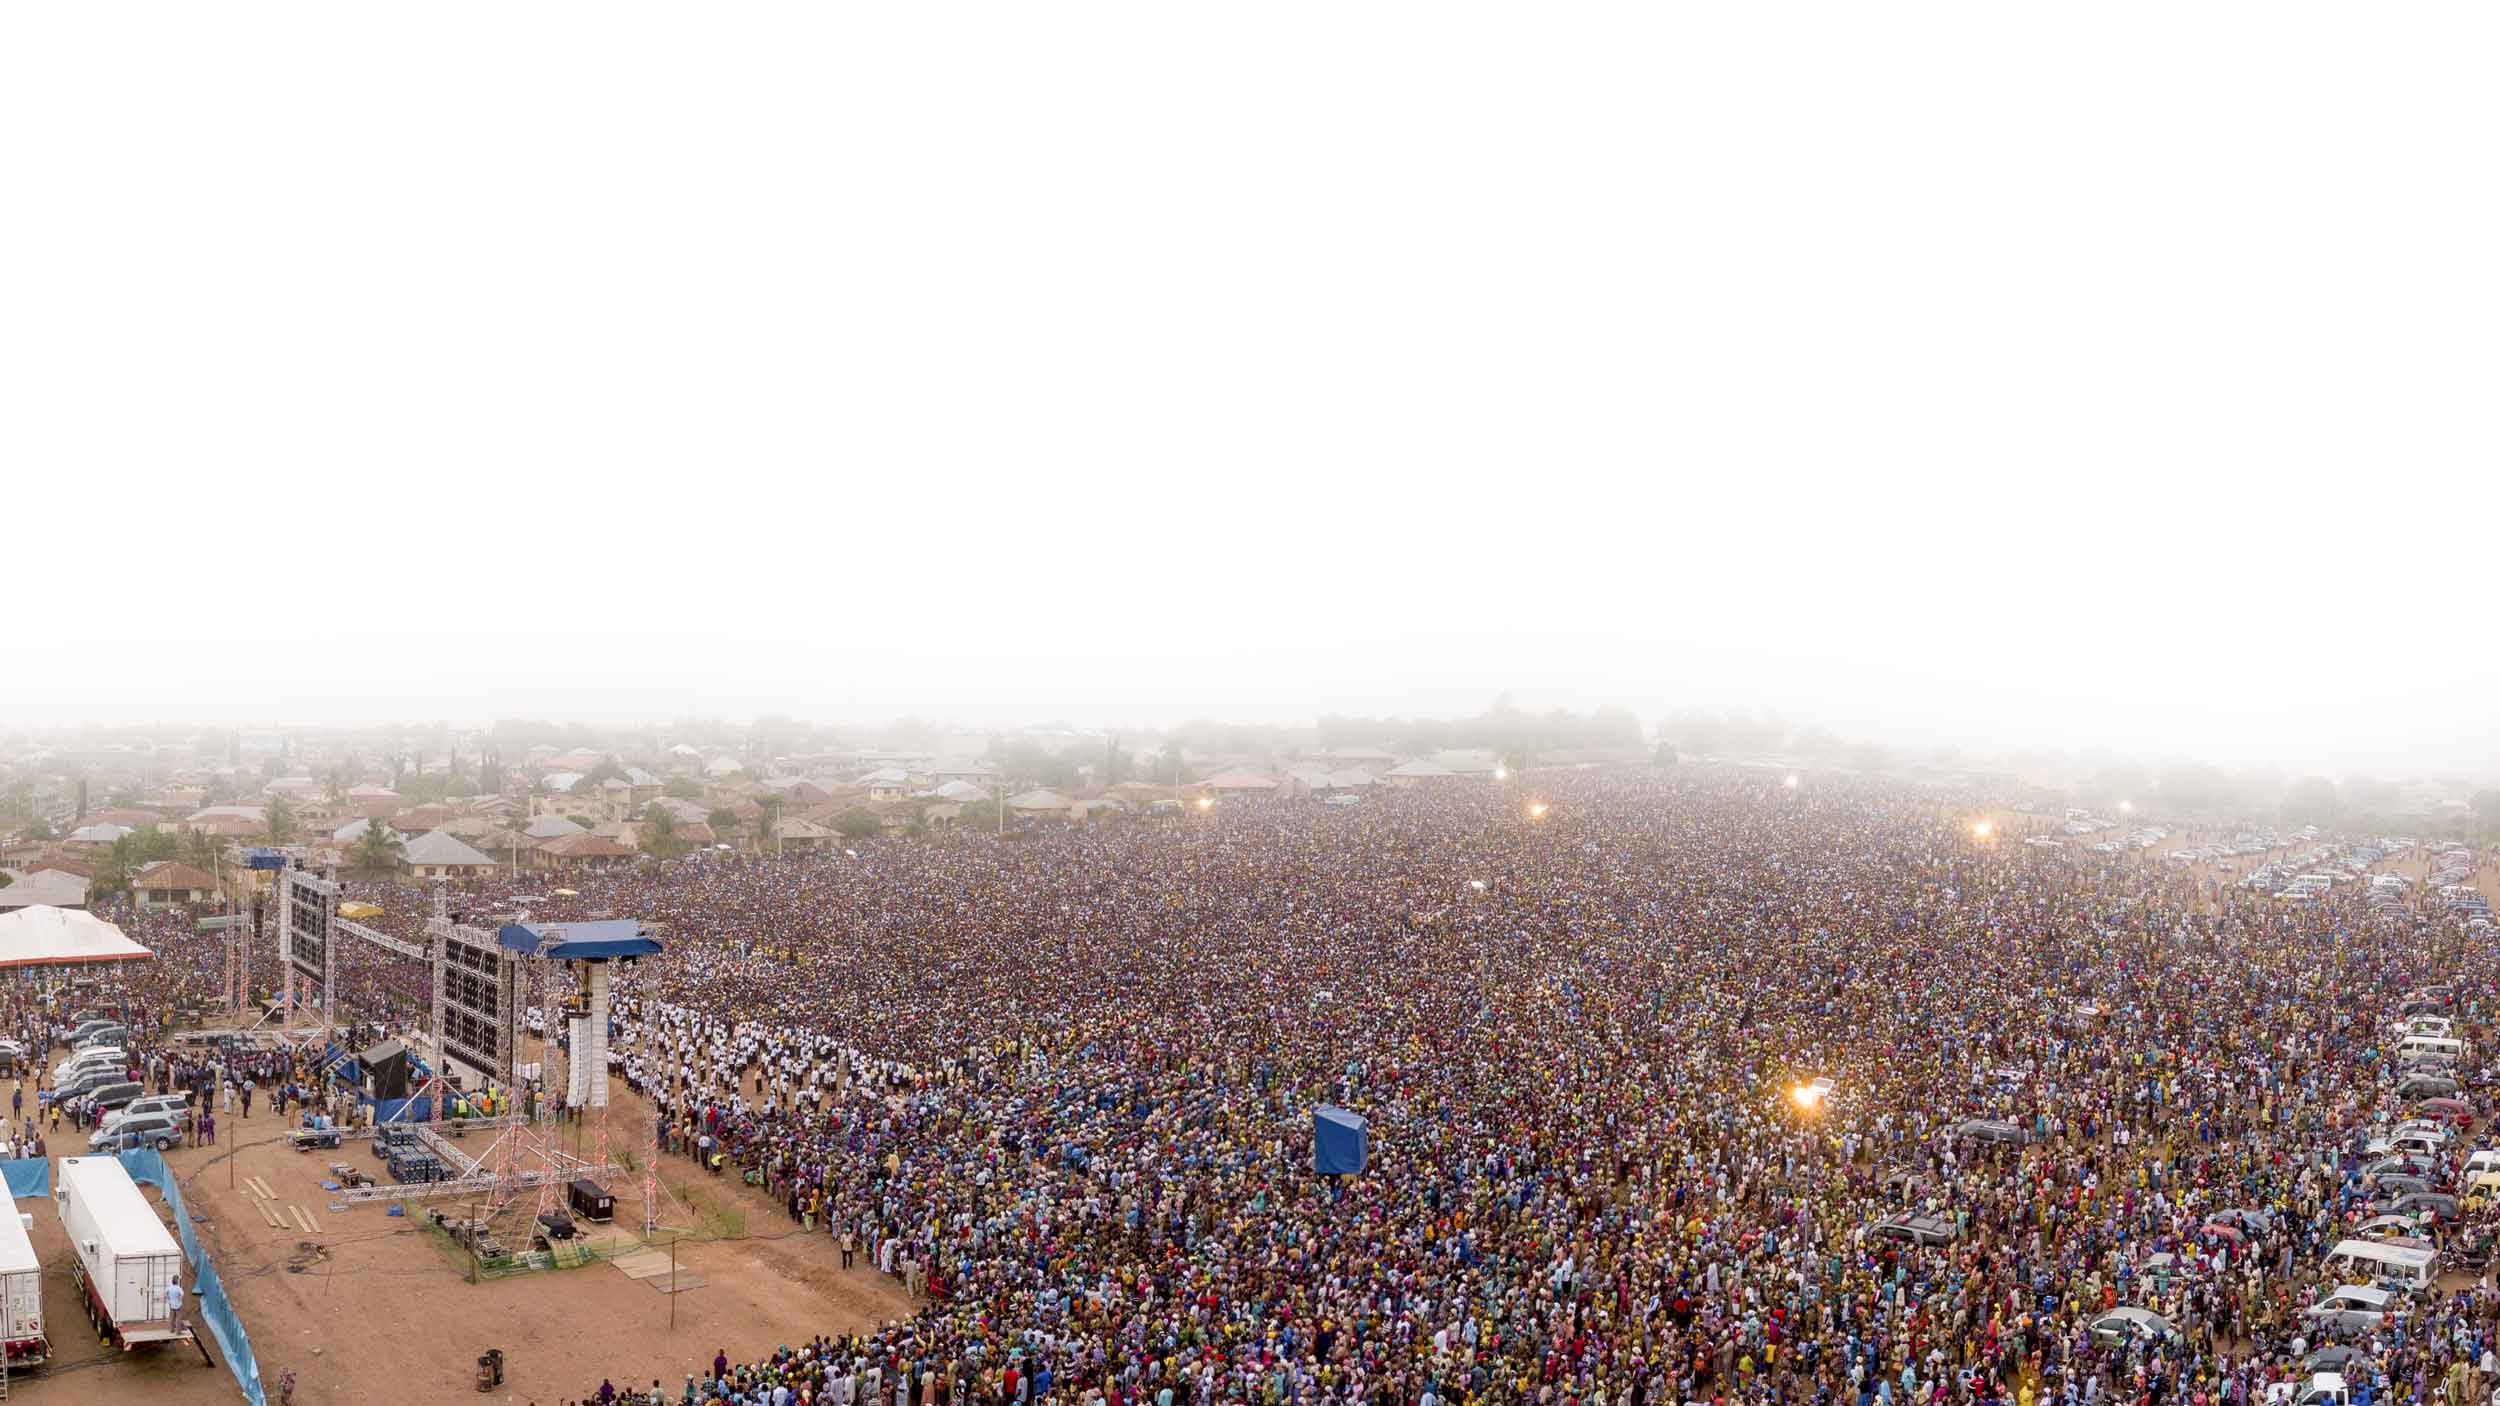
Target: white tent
{"points": [[45, 936]]}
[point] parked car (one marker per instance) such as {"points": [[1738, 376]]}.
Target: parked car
{"points": [[158, 1130], [2121, 1325], [171, 1104], [1918, 1230], [2350, 1311]]}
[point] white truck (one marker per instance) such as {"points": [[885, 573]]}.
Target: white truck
{"points": [[125, 1258], [21, 1291]]}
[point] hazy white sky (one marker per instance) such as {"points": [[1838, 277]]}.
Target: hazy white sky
{"points": [[2114, 375]]}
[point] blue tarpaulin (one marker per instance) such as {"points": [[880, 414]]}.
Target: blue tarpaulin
{"points": [[1340, 1141], [208, 1292], [403, 1110], [28, 1176], [580, 942], [263, 858]]}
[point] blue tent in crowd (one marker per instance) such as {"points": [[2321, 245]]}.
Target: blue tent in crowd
{"points": [[1339, 1141]]}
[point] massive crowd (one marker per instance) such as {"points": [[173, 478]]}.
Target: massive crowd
{"points": [[1063, 1087]]}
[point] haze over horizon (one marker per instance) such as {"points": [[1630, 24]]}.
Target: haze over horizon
{"points": [[1950, 374]]}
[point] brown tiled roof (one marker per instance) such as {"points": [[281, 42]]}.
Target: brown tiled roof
{"points": [[168, 874], [586, 846]]}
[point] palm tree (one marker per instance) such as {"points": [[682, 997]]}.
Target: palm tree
{"points": [[768, 817], [379, 850], [279, 822]]}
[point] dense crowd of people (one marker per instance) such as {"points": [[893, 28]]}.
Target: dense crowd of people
{"points": [[1062, 1086]]}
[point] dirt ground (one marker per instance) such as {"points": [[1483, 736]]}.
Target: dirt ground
{"points": [[385, 1312]]}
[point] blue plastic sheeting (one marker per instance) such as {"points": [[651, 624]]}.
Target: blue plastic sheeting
{"points": [[1340, 1141], [208, 1293], [28, 1176], [403, 1110], [580, 942], [263, 858]]}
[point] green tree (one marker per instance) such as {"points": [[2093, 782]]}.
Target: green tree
{"points": [[724, 823], [682, 788], [858, 823], [38, 829], [490, 774], [767, 819], [977, 815], [278, 821], [379, 850], [659, 834], [199, 850], [112, 874]]}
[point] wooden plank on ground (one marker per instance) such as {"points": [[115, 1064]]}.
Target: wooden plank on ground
{"points": [[302, 1222], [269, 1215], [642, 1264]]}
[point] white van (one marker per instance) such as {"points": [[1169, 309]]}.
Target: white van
{"points": [[2408, 1266], [2438, 1047], [2438, 1025]]}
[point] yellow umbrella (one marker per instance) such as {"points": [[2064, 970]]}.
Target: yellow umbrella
{"points": [[567, 893], [359, 911]]}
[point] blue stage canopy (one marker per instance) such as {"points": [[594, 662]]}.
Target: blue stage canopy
{"points": [[1340, 1141], [263, 858], [580, 942]]}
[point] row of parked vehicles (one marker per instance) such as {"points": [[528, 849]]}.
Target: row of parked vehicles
{"points": [[2411, 1199], [96, 1078], [2417, 1198]]}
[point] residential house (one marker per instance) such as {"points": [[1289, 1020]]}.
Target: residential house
{"points": [[52, 888], [888, 783], [438, 854], [796, 836], [1239, 783], [167, 884], [1041, 804], [419, 820], [1418, 773], [1476, 763], [582, 850], [684, 812], [228, 822], [956, 792], [550, 827]]}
